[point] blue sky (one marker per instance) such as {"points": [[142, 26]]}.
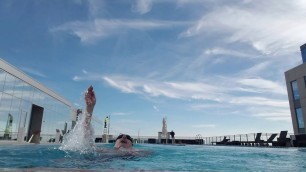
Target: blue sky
{"points": [[212, 67]]}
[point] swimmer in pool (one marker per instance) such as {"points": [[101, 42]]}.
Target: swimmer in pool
{"points": [[124, 141]]}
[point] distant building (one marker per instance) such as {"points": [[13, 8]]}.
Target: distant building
{"points": [[26, 107], [296, 88]]}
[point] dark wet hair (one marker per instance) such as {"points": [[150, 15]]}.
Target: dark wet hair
{"points": [[127, 136]]}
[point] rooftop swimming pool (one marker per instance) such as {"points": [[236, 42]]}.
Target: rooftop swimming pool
{"points": [[152, 157]]}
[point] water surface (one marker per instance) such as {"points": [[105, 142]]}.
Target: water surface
{"points": [[152, 158]]}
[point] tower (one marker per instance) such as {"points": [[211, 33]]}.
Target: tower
{"points": [[164, 129]]}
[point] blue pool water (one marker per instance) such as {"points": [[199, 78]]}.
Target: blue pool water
{"points": [[153, 158]]}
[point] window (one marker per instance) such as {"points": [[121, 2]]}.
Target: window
{"points": [[300, 120], [295, 90], [2, 79], [303, 52]]}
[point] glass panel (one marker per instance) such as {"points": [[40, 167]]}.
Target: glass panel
{"points": [[5, 107], [26, 108], [36, 96], [48, 100], [303, 52], [15, 112], [43, 99], [2, 79], [18, 88], [9, 84], [27, 92], [299, 117], [295, 90]]}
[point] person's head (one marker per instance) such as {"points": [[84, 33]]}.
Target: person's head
{"points": [[124, 137]]}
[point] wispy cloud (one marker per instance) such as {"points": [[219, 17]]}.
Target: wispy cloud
{"points": [[237, 23], [87, 77], [176, 90], [257, 69], [262, 101], [228, 52], [91, 31], [96, 7], [222, 90], [262, 85], [142, 6], [121, 113], [156, 108], [33, 72], [270, 113], [222, 98], [84, 71]]}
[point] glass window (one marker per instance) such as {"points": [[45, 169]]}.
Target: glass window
{"points": [[36, 97], [295, 90], [300, 119], [28, 92], [26, 108], [9, 84], [18, 88], [303, 52], [2, 79], [5, 108], [15, 115]]}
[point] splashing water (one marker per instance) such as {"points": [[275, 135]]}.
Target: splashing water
{"points": [[80, 139]]}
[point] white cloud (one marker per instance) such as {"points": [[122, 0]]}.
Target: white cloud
{"points": [[262, 85], [91, 31], [228, 52], [95, 7], [269, 113], [33, 72], [142, 6], [120, 113], [257, 69], [176, 90], [123, 85], [86, 77], [262, 101], [76, 78], [84, 71], [256, 95], [258, 23], [156, 108]]}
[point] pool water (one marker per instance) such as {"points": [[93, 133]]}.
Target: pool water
{"points": [[153, 157]]}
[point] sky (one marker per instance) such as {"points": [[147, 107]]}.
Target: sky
{"points": [[211, 67]]}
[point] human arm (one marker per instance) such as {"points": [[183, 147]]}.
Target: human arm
{"points": [[90, 100], [117, 144]]}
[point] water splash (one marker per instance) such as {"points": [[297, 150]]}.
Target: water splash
{"points": [[80, 139]]}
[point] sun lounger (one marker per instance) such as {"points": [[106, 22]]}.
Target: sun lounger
{"points": [[282, 140], [224, 141]]}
